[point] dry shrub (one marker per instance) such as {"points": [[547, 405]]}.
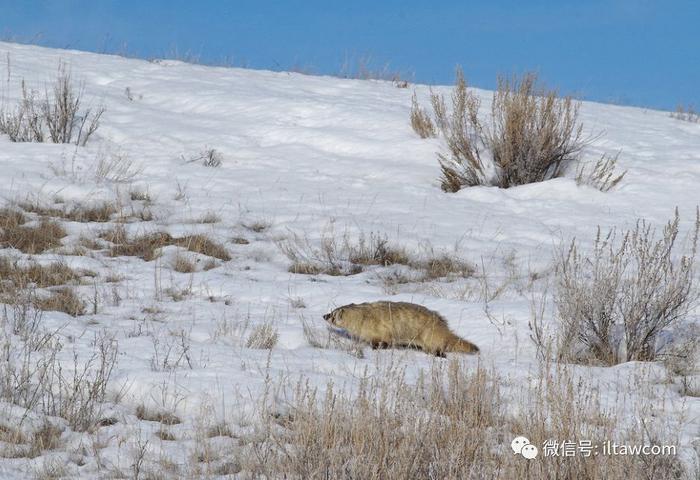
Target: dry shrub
{"points": [[33, 374], [58, 116], [263, 336], [62, 300], [533, 135], [601, 175], [33, 239], [204, 245], [172, 351], [686, 114], [420, 120], [614, 301]]}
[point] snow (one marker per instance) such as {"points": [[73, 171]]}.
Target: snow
{"points": [[305, 155]]}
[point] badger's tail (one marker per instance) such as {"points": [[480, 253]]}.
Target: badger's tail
{"points": [[460, 345]]}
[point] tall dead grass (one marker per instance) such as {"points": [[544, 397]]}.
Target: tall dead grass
{"points": [[452, 423], [421, 122]]}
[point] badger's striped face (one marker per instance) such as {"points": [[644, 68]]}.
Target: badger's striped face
{"points": [[335, 318]]}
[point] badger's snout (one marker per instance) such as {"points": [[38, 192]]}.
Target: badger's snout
{"points": [[327, 317]]}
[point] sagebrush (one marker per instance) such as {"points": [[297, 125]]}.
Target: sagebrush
{"points": [[58, 116], [533, 135], [613, 301]]}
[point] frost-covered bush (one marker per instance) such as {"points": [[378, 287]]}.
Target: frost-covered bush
{"points": [[613, 302]]}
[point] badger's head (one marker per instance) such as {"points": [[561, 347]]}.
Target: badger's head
{"points": [[335, 318]]}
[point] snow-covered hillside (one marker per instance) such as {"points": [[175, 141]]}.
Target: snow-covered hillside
{"points": [[304, 160]]}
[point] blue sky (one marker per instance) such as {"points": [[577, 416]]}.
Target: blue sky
{"points": [[639, 52]]}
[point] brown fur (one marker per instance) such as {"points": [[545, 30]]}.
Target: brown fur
{"points": [[400, 324]]}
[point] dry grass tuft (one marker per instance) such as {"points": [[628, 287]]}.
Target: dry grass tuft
{"points": [[257, 226], [11, 218], [204, 245], [376, 250], [41, 276], [442, 266], [143, 246], [116, 234], [263, 336], [420, 120], [146, 246], [166, 418], [166, 435], [183, 264], [601, 175], [210, 217], [46, 437], [78, 213], [340, 255], [137, 195], [62, 300], [33, 239]]}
